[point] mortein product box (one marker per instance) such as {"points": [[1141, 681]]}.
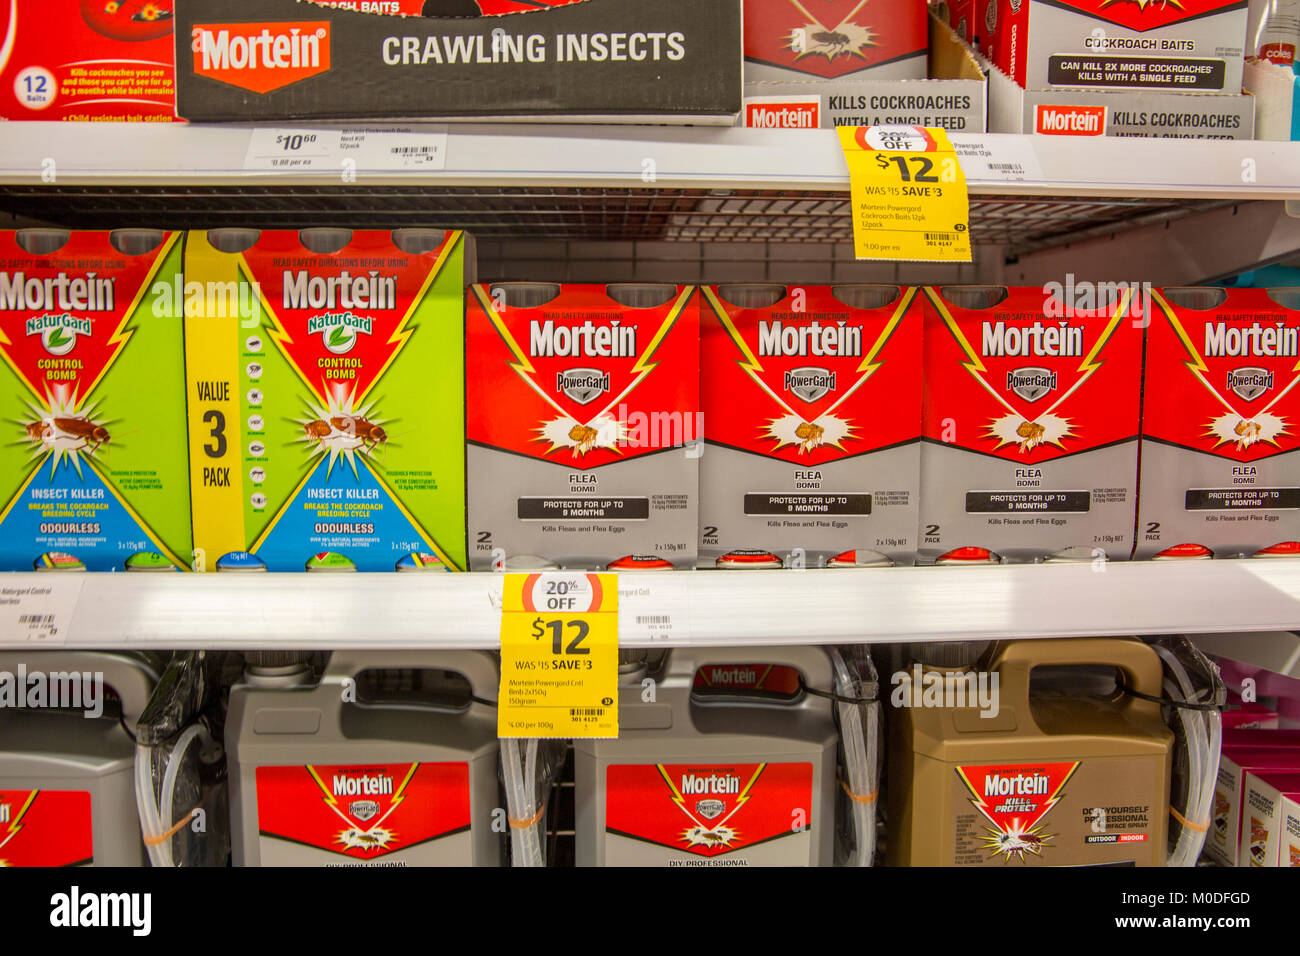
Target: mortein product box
{"points": [[1030, 419], [831, 85], [812, 410], [1270, 819], [583, 423], [1151, 114], [625, 61], [87, 60], [1220, 463], [1222, 843], [93, 469], [1193, 46], [325, 391], [1148, 113]]}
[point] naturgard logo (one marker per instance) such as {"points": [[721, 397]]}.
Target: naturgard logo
{"points": [[919, 687], [1071, 298], [56, 690]]}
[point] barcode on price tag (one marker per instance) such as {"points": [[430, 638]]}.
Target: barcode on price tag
{"points": [[39, 613]]}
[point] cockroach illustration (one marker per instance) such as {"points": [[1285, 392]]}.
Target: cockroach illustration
{"points": [[584, 436], [809, 434], [369, 433], [1247, 430], [1031, 431], [836, 41], [83, 428]]}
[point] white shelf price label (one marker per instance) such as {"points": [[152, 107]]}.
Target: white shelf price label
{"points": [[40, 612], [1008, 159], [319, 150]]}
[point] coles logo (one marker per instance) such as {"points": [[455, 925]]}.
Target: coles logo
{"points": [[783, 114], [1070, 120], [261, 57]]}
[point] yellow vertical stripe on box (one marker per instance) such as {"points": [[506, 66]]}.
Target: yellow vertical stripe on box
{"points": [[211, 358]]}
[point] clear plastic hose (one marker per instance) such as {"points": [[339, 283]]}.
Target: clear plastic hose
{"points": [[859, 733], [154, 822], [1203, 733], [145, 803], [523, 796]]}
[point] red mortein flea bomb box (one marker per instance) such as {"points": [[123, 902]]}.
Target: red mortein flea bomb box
{"points": [[583, 423], [1030, 420], [812, 410], [1221, 423]]}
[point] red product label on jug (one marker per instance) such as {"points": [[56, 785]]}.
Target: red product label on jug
{"points": [[363, 811], [1223, 380], [805, 380], [1015, 800], [46, 828], [1037, 376], [712, 810]]}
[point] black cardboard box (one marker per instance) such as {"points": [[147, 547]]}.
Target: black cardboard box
{"points": [[624, 61]]}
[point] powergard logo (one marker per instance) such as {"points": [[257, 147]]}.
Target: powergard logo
{"points": [[1250, 383]]}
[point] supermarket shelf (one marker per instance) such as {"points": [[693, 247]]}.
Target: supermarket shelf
{"points": [[706, 607], [525, 155], [690, 184]]}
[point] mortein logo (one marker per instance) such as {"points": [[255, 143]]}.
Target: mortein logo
{"points": [[796, 115], [58, 332], [1019, 785], [814, 338], [1070, 120], [601, 341], [583, 385], [88, 293], [261, 57], [693, 783], [1250, 383], [1055, 340], [363, 785]]}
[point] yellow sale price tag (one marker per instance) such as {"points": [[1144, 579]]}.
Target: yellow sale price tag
{"points": [[559, 655], [908, 194]]}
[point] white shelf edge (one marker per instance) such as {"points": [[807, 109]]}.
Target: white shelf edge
{"points": [[615, 157], [289, 611]]}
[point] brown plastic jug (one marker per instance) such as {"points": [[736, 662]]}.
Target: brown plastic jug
{"points": [[1071, 779]]}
